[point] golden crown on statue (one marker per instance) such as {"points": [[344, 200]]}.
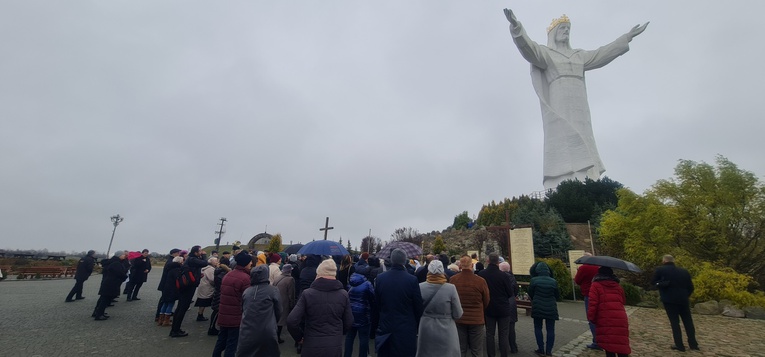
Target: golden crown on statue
{"points": [[558, 21]]}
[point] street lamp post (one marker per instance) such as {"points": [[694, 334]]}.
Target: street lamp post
{"points": [[115, 221]]}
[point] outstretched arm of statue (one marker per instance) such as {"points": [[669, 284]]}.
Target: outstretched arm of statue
{"points": [[605, 54], [511, 17], [530, 50], [638, 29]]}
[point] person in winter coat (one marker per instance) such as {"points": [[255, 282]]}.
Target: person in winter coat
{"points": [[308, 273], [437, 334], [362, 297], [220, 271], [114, 273], [362, 266], [139, 271], [606, 311], [261, 309], [512, 340], [374, 270], [584, 275], [344, 273], [206, 288], [84, 269], [675, 287], [170, 291], [274, 268], [498, 313], [544, 294], [230, 309], [399, 300], [322, 315], [474, 298], [285, 283], [422, 272], [195, 261], [173, 253]]}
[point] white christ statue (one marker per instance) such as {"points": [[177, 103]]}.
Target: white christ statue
{"points": [[557, 73]]}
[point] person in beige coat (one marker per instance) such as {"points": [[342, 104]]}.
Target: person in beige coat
{"points": [[437, 335], [206, 288], [285, 283]]}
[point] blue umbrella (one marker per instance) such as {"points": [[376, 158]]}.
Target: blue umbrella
{"points": [[323, 247]]}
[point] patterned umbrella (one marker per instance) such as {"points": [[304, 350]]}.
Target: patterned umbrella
{"points": [[410, 249]]}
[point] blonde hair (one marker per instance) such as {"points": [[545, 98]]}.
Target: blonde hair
{"points": [[466, 262]]}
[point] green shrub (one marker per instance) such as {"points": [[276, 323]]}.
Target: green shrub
{"points": [[562, 276], [631, 293], [715, 283]]}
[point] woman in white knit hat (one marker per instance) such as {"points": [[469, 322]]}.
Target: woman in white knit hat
{"points": [[437, 335]]}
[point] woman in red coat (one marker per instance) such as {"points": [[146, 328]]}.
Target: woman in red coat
{"points": [[607, 312]]}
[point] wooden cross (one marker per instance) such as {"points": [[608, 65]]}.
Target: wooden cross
{"points": [[326, 228]]}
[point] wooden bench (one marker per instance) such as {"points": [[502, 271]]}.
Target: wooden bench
{"points": [[524, 304], [70, 271], [7, 270], [42, 272]]}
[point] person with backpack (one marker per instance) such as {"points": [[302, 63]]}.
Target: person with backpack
{"points": [[192, 274]]}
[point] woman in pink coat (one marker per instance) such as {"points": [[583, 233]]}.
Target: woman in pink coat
{"points": [[606, 311]]}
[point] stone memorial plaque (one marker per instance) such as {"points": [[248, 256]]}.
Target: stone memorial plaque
{"points": [[521, 250], [573, 255]]}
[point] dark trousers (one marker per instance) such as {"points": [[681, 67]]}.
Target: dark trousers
{"points": [[363, 341], [501, 326], [102, 304], [228, 338], [132, 289], [675, 312], [214, 320], [184, 301], [472, 337], [76, 290], [613, 354], [592, 325], [512, 339], [550, 324]]}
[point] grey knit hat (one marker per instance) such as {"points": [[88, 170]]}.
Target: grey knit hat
{"points": [[398, 257]]}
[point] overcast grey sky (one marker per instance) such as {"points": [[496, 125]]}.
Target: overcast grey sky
{"points": [[377, 114]]}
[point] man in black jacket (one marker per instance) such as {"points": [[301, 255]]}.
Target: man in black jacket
{"points": [[497, 314], [139, 271], [675, 287], [84, 269]]}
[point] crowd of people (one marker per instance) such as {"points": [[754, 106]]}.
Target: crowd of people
{"points": [[405, 306]]}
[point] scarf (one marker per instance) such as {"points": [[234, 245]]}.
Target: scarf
{"points": [[436, 278]]}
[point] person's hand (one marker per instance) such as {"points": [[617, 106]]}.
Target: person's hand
{"points": [[638, 29], [511, 17]]}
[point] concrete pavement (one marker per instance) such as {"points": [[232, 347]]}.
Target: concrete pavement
{"points": [[37, 322]]}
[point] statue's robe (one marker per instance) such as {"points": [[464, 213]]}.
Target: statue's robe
{"points": [[558, 78]]}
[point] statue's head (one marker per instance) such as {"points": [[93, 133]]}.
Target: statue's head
{"points": [[558, 33]]}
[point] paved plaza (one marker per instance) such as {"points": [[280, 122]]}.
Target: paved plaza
{"points": [[37, 322]]}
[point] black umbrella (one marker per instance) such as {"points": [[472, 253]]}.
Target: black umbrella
{"points": [[611, 262], [293, 249]]}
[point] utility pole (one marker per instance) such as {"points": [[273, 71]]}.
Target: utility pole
{"points": [[220, 232], [115, 221]]}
